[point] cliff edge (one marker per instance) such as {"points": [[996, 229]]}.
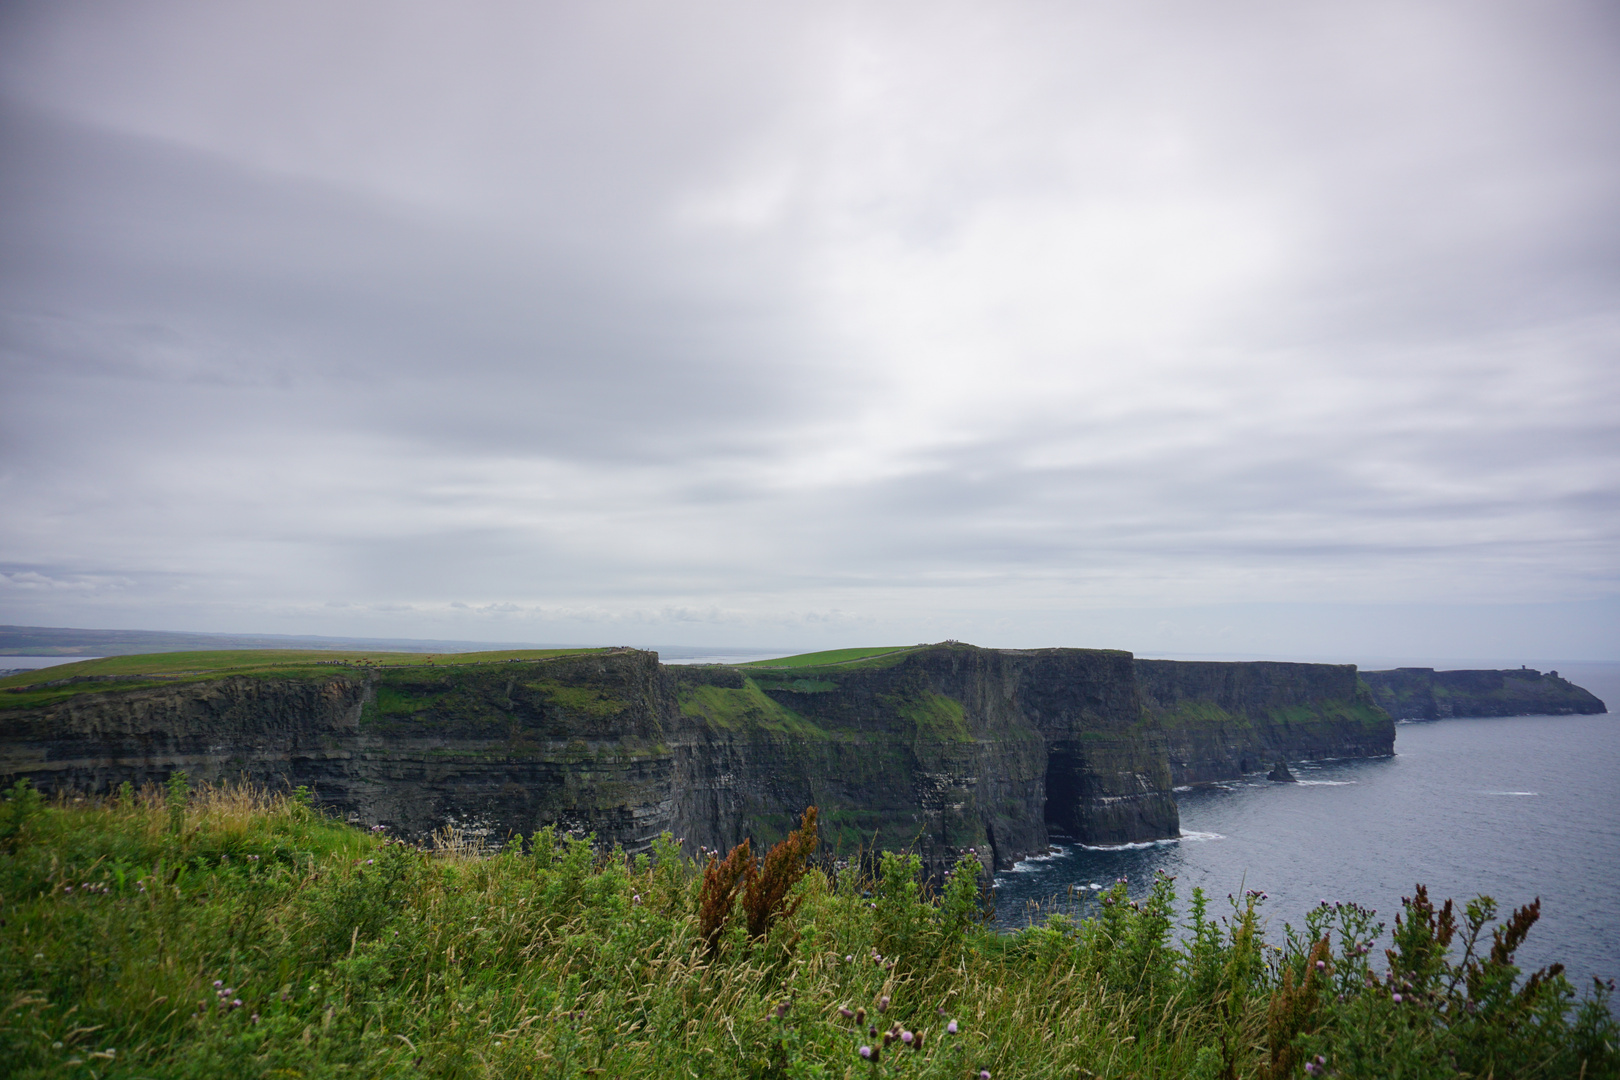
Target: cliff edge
{"points": [[938, 748], [1427, 694]]}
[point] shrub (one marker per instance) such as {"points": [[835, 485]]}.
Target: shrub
{"points": [[765, 891], [718, 895]]}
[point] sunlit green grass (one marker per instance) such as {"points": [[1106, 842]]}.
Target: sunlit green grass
{"points": [[31, 689], [833, 656]]}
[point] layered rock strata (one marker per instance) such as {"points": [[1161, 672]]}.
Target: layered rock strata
{"points": [[1224, 719], [1427, 694], [940, 748]]}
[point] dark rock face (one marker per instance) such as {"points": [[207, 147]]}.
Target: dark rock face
{"points": [[944, 749], [1427, 694], [1226, 719], [941, 749], [1279, 773]]}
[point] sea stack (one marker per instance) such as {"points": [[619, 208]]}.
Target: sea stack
{"points": [[1281, 774]]}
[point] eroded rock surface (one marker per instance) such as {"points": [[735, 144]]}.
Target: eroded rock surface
{"points": [[942, 748]]}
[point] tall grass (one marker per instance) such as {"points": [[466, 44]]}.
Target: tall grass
{"points": [[235, 932]]}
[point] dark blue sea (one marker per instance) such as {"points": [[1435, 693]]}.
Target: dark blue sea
{"points": [[1513, 808]]}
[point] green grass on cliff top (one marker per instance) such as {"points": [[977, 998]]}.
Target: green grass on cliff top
{"points": [[211, 664], [835, 656]]}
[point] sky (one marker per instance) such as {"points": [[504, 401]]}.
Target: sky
{"points": [[1256, 327]]}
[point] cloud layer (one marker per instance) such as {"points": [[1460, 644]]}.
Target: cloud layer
{"points": [[731, 323]]}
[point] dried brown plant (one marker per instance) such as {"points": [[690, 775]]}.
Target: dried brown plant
{"points": [[720, 882], [765, 894]]}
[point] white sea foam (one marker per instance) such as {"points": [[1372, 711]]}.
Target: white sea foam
{"points": [[1324, 783], [1513, 793], [1183, 787], [1028, 866], [1143, 845], [1200, 837]]}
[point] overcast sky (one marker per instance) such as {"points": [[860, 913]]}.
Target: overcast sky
{"points": [[1167, 326]]}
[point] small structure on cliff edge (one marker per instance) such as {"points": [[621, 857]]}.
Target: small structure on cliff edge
{"points": [[1281, 774]]}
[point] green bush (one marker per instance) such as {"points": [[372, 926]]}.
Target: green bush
{"points": [[259, 939]]}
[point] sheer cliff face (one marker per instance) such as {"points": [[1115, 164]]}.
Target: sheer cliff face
{"points": [[943, 748], [1427, 694], [940, 749], [1222, 720]]}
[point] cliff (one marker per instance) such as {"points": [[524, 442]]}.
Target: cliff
{"points": [[1427, 694], [1222, 720], [939, 748]]}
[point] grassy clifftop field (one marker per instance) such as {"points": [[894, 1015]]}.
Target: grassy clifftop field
{"points": [[224, 932], [31, 689]]}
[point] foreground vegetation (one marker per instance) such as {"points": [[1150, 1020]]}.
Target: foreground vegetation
{"points": [[229, 932]]}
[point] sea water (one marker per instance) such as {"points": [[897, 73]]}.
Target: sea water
{"points": [[1514, 808]]}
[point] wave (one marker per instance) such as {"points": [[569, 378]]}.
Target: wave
{"points": [[1512, 793], [1023, 866], [1143, 845], [1324, 783]]}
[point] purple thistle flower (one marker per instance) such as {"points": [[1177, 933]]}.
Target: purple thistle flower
{"points": [[883, 1004], [866, 1051], [1321, 965], [844, 1012], [1397, 999], [951, 1027], [984, 1074], [906, 1036]]}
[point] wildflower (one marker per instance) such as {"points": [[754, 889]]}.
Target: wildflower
{"points": [[866, 1051], [984, 1074], [254, 1019], [951, 1027], [883, 1003], [1321, 965], [370, 861], [1312, 1068], [850, 959], [844, 1012], [636, 898], [781, 1010], [860, 1017], [918, 1044], [1397, 999], [906, 1037], [941, 1012]]}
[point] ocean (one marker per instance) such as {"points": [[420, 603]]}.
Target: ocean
{"points": [[1514, 808]]}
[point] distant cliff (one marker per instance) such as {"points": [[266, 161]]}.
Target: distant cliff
{"points": [[940, 748], [1427, 694], [1222, 720]]}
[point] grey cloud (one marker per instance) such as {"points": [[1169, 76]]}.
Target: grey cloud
{"points": [[911, 318]]}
